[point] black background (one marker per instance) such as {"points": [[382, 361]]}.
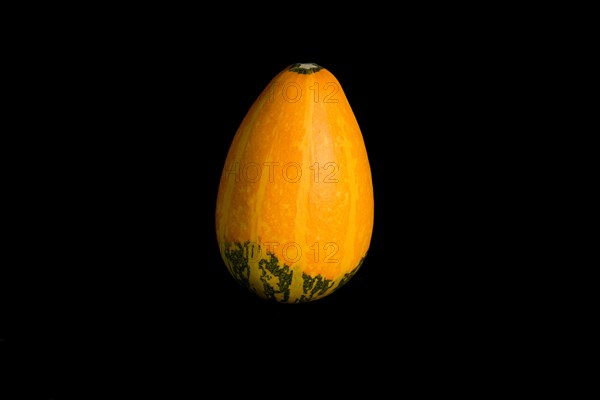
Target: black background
{"points": [[124, 128]]}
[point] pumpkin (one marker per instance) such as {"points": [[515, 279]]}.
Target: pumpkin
{"points": [[295, 205]]}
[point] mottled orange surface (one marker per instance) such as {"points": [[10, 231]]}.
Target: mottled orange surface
{"points": [[297, 180]]}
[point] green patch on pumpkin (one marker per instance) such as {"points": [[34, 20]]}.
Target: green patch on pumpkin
{"points": [[237, 262], [314, 287], [350, 274], [270, 268], [277, 279]]}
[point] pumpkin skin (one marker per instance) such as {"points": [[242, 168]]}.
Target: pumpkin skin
{"points": [[295, 205]]}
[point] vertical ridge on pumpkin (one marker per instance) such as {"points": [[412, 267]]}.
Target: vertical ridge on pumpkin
{"points": [[304, 185], [350, 168], [267, 186], [233, 166]]}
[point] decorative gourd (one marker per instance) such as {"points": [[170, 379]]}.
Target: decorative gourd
{"points": [[295, 206]]}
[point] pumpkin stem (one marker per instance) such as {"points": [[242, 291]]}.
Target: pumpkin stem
{"points": [[305, 68]]}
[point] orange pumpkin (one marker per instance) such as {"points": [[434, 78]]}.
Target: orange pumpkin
{"points": [[295, 206]]}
